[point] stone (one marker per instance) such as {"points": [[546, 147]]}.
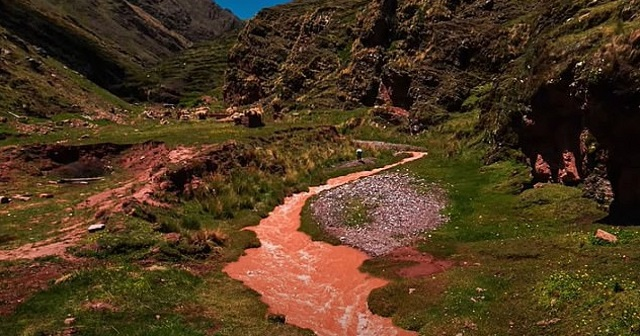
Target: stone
{"points": [[542, 170], [172, 238], [69, 320], [4, 200], [606, 236], [97, 227], [202, 113], [155, 268], [63, 278], [45, 195], [277, 318], [22, 198], [252, 118], [3, 120], [546, 323], [100, 306], [569, 173]]}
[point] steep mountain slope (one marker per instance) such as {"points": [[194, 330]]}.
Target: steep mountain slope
{"points": [[293, 50], [113, 42], [557, 79], [424, 52], [36, 86]]}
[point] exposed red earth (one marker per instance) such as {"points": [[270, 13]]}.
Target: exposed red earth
{"points": [[315, 285], [147, 164]]}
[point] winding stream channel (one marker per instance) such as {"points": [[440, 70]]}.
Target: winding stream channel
{"points": [[315, 285]]}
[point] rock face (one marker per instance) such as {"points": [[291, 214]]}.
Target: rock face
{"points": [[573, 106], [426, 55]]}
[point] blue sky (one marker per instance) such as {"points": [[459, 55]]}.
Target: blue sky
{"points": [[246, 9]]}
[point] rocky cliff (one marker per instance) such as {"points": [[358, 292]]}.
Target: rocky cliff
{"points": [[559, 78], [572, 103], [425, 56]]}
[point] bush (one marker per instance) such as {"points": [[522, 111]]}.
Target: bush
{"points": [[190, 223]]}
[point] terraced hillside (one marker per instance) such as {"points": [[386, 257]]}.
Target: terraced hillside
{"points": [[194, 72], [113, 42]]}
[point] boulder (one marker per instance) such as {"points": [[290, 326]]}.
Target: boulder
{"points": [[542, 170], [22, 198], [606, 236], [202, 113], [97, 227], [4, 200], [252, 117], [173, 238], [569, 173], [44, 195]]}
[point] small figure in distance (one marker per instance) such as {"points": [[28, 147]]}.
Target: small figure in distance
{"points": [[359, 153]]}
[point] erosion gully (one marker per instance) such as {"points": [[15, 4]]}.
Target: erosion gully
{"points": [[315, 285]]}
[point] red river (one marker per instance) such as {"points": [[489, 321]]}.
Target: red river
{"points": [[315, 285]]}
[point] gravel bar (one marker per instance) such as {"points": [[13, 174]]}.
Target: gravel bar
{"points": [[399, 208]]}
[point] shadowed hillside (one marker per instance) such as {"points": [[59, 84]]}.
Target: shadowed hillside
{"points": [[113, 42]]}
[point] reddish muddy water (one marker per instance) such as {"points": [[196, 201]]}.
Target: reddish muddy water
{"points": [[315, 285]]}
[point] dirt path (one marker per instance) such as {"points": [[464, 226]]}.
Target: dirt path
{"points": [[315, 285], [147, 163]]}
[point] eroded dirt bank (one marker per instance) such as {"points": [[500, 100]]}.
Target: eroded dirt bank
{"points": [[315, 285]]}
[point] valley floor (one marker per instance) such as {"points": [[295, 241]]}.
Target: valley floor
{"points": [[510, 261]]}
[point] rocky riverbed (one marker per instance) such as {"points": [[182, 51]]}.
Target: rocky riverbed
{"points": [[381, 213]]}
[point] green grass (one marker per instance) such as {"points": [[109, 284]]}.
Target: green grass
{"points": [[199, 132], [356, 214], [144, 303], [188, 304], [526, 261], [38, 219], [522, 258]]}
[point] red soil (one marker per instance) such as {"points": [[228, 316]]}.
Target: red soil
{"points": [[55, 246], [147, 163], [425, 264], [315, 285], [25, 280]]}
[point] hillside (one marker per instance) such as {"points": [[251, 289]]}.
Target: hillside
{"points": [[555, 79], [35, 88], [194, 72], [113, 42]]}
